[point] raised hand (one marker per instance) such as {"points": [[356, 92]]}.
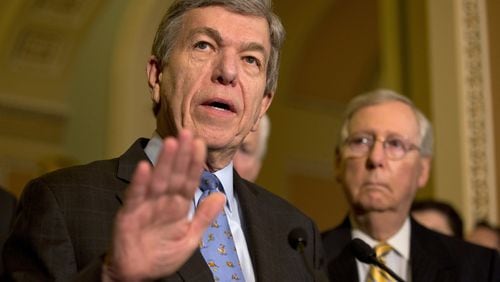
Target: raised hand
{"points": [[153, 236]]}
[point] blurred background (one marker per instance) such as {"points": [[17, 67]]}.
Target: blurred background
{"points": [[73, 89]]}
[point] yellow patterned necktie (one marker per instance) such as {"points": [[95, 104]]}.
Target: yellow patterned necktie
{"points": [[376, 274]]}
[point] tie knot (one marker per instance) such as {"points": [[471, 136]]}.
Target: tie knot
{"points": [[209, 182], [382, 249]]}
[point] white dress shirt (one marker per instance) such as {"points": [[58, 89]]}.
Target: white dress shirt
{"points": [[398, 259], [232, 207]]}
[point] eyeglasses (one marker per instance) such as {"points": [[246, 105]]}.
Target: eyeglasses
{"points": [[395, 148]]}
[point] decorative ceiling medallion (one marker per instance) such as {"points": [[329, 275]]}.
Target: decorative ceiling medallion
{"points": [[69, 14], [38, 49], [48, 34]]}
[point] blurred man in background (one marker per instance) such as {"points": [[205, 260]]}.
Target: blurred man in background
{"points": [[248, 159], [438, 216], [7, 207], [485, 234]]}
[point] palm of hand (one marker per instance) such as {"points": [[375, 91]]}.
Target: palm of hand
{"points": [[153, 236]]}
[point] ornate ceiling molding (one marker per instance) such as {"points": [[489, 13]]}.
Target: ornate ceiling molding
{"points": [[47, 34]]}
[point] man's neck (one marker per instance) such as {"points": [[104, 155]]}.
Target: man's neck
{"points": [[379, 225], [218, 159]]}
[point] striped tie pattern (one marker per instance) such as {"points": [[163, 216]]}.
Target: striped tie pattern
{"points": [[217, 245], [376, 274]]}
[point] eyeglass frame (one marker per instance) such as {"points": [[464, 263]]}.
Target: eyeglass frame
{"points": [[407, 145]]}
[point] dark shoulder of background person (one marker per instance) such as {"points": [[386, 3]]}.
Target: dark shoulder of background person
{"points": [[7, 208]]}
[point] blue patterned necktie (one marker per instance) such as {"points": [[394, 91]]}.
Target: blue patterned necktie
{"points": [[217, 245]]}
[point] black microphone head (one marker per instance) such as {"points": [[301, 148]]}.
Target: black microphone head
{"points": [[362, 251], [296, 237]]}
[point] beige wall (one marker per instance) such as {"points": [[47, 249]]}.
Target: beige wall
{"points": [[494, 56]]}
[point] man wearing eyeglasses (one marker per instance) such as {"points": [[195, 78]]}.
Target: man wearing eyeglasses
{"points": [[383, 158]]}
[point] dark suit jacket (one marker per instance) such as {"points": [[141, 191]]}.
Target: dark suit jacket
{"points": [[7, 207], [433, 257], [65, 219]]}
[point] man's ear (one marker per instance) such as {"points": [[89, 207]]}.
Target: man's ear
{"points": [[264, 105], [425, 171], [154, 74]]}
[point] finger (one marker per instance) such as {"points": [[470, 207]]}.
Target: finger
{"points": [[205, 214], [182, 160], [137, 190], [196, 166], [163, 168]]}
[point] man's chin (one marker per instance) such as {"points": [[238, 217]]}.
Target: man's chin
{"points": [[221, 147], [372, 205]]}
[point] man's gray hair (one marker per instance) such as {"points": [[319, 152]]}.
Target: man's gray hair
{"points": [[380, 96], [171, 24]]}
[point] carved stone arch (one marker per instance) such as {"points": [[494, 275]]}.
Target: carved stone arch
{"points": [[130, 114]]}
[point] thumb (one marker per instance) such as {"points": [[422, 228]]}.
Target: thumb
{"points": [[205, 214]]}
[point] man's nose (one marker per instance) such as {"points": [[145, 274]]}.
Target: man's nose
{"points": [[226, 69], [376, 155]]}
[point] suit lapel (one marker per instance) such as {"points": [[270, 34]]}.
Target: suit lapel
{"points": [[429, 260], [343, 266], [195, 269], [259, 231], [128, 162]]}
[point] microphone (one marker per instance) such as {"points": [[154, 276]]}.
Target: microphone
{"points": [[366, 254], [297, 238]]}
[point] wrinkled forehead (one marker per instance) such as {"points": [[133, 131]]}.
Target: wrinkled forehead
{"points": [[220, 19], [386, 119]]}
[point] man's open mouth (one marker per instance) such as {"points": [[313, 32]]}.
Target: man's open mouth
{"points": [[221, 105]]}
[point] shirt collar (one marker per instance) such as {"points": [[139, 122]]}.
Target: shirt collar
{"points": [[153, 147], [400, 242], [225, 175]]}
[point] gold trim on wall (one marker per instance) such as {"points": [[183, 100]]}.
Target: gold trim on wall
{"points": [[478, 117]]}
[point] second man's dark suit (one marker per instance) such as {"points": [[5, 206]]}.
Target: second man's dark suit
{"points": [[433, 257], [7, 208], [65, 222]]}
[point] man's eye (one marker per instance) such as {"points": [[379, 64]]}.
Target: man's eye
{"points": [[395, 143], [202, 45], [252, 60], [359, 140]]}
